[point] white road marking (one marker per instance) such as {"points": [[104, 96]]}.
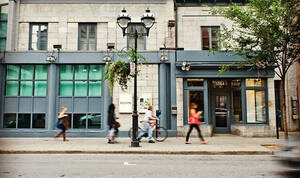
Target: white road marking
{"points": [[127, 164]]}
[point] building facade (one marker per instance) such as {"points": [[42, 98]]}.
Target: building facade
{"points": [[37, 79]]}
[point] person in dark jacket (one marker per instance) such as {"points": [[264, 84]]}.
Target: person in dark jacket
{"points": [[113, 124]]}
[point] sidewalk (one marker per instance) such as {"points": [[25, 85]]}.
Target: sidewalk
{"points": [[217, 145]]}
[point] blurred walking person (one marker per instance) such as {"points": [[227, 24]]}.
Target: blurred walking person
{"points": [[194, 122], [63, 123], [113, 124]]}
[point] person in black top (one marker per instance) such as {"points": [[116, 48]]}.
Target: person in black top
{"points": [[112, 123]]}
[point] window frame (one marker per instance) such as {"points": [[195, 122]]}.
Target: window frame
{"points": [[73, 80], [203, 89], [257, 88], [19, 80], [209, 36], [3, 20], [88, 27], [39, 36], [31, 120]]}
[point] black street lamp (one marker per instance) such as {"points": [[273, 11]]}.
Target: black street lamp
{"points": [[124, 21]]}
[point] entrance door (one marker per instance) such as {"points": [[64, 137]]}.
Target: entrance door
{"points": [[221, 112]]}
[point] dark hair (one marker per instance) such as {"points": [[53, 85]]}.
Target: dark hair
{"points": [[111, 107]]}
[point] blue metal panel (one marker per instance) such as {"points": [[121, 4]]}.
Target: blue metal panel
{"points": [[25, 104], [163, 94], [213, 73], [80, 105], [171, 57], [40, 105], [95, 105], [52, 96], [10, 104], [33, 57], [66, 101], [2, 78], [206, 56]]}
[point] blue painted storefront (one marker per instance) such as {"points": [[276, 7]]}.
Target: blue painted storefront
{"points": [[203, 65]]}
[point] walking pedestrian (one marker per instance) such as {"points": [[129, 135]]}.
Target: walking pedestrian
{"points": [[63, 123], [194, 122], [113, 124], [146, 125]]}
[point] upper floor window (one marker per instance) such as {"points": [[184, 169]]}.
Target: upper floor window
{"points": [[3, 26], [80, 80], [209, 38], [26, 80], [38, 37], [141, 40], [87, 37]]}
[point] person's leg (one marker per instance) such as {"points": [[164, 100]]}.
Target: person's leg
{"points": [[199, 133], [58, 134], [149, 130], [116, 132], [188, 134], [142, 132], [64, 133]]}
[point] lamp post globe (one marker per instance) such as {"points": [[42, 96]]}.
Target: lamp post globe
{"points": [[148, 20], [123, 20]]}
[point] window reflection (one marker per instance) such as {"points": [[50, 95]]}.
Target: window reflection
{"points": [[23, 120], [9, 121], [38, 120], [256, 106], [79, 120], [196, 97]]}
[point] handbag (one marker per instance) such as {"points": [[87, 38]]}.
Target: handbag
{"points": [[59, 125]]}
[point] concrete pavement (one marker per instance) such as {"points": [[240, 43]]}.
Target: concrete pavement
{"points": [[217, 145]]}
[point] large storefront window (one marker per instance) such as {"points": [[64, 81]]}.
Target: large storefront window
{"points": [[24, 120], [26, 80], [256, 101], [83, 121], [80, 80]]}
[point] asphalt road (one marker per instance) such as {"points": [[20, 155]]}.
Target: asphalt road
{"points": [[141, 166]]}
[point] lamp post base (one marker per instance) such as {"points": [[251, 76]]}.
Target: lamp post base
{"points": [[135, 144]]}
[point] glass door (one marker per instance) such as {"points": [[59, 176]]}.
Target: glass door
{"points": [[221, 112]]}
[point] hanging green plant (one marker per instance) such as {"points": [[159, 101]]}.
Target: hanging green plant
{"points": [[119, 71]]}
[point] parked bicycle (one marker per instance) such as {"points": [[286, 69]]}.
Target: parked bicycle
{"points": [[159, 133]]}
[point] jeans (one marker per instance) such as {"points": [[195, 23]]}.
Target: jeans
{"points": [[145, 130]]}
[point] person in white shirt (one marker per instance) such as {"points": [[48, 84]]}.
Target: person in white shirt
{"points": [[146, 128]]}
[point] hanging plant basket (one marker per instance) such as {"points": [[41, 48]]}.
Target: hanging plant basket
{"points": [[119, 71]]}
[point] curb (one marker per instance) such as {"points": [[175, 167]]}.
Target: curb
{"points": [[137, 152]]}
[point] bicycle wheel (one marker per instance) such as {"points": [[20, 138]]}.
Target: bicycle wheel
{"points": [[160, 134], [130, 132]]}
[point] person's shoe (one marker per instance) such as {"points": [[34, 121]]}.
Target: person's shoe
{"points": [[110, 141], [187, 143], [203, 143], [151, 141]]}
